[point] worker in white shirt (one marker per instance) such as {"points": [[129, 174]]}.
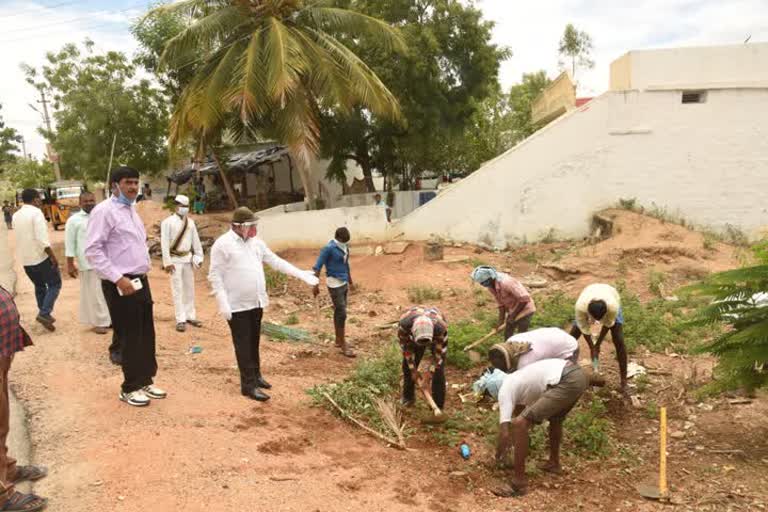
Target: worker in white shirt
{"points": [[36, 255], [545, 390], [237, 279], [526, 348], [601, 303], [93, 305], [182, 254]]}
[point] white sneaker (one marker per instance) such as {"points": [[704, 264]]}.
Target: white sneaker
{"points": [[135, 398], [155, 392]]}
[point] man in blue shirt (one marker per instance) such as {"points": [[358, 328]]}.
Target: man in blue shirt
{"points": [[335, 258]]}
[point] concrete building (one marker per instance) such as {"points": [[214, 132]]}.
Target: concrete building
{"points": [[683, 129]]}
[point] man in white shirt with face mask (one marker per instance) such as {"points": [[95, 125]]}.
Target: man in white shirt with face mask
{"points": [[182, 254], [238, 282]]}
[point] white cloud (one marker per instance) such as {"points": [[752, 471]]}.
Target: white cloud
{"points": [[32, 30], [532, 30]]}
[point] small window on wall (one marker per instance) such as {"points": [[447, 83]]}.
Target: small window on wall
{"points": [[694, 97]]}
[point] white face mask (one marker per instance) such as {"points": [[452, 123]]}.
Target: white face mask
{"points": [[182, 210]]}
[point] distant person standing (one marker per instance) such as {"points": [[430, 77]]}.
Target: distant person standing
{"points": [[237, 278], [93, 305], [35, 253], [381, 203], [116, 248], [335, 258], [147, 192], [199, 205], [8, 214], [13, 339], [182, 255], [516, 306]]}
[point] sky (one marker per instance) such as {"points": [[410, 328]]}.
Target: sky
{"points": [[531, 29]]}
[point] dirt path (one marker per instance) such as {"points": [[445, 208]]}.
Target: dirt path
{"points": [[206, 448]]}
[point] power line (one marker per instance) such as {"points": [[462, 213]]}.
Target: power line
{"points": [[39, 8]]}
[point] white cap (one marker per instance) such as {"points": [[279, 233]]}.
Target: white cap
{"points": [[182, 200]]}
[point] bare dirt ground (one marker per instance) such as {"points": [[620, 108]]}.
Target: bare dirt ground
{"points": [[206, 448]]}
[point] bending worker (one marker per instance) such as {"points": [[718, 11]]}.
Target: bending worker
{"points": [[421, 328], [601, 303], [516, 306], [526, 348]]}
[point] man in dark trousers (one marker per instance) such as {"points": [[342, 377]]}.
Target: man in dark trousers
{"points": [[13, 339], [238, 282], [116, 248], [423, 328], [335, 258], [35, 253]]}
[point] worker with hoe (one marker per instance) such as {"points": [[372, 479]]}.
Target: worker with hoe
{"points": [[335, 258], [421, 328], [545, 390], [516, 306], [239, 284], [601, 303]]}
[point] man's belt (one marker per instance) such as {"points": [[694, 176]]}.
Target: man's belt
{"points": [[181, 254]]}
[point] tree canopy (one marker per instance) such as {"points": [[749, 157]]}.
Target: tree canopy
{"points": [[9, 144], [442, 83], [96, 97], [576, 45]]}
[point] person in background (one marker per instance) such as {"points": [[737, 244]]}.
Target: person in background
{"points": [[601, 303], [335, 258], [8, 214], [545, 390], [147, 192], [381, 203], [182, 255], [116, 248], [237, 278], [199, 205], [37, 257], [421, 328], [516, 306], [93, 305], [13, 339]]}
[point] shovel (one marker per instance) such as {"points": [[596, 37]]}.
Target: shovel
{"points": [[660, 492], [474, 356], [438, 416]]}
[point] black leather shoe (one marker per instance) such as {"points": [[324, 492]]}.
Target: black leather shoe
{"points": [[116, 358], [255, 394], [261, 383]]}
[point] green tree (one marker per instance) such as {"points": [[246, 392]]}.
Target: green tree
{"points": [[521, 98], [271, 67], [97, 97], [740, 304], [30, 173], [441, 83], [576, 45], [9, 143]]}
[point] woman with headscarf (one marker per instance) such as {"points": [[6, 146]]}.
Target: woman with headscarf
{"points": [[421, 328], [516, 306]]}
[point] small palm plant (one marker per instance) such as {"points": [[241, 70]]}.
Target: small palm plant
{"points": [[740, 303], [273, 66]]}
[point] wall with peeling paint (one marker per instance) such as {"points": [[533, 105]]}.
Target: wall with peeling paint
{"points": [[705, 161]]}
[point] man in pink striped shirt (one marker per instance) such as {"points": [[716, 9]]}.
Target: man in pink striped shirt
{"points": [[116, 248], [516, 306]]}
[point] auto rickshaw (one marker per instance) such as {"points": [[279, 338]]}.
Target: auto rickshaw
{"points": [[63, 197]]}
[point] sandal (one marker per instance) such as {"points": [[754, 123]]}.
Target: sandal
{"points": [[510, 491], [19, 502], [29, 473], [348, 352]]}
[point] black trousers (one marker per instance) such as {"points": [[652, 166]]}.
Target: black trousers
{"points": [[513, 325], [134, 328], [438, 379], [246, 332], [339, 299]]}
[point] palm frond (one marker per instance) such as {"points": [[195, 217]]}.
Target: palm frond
{"points": [[285, 63], [334, 19], [248, 93]]}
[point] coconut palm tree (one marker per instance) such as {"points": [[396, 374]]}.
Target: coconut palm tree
{"points": [[273, 66]]}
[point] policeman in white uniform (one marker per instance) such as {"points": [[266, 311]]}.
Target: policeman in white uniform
{"points": [[182, 253]]}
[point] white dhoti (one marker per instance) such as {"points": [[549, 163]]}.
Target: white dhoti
{"points": [[93, 306], [183, 290]]}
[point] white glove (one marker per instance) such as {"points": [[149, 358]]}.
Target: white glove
{"points": [[309, 277], [197, 261]]}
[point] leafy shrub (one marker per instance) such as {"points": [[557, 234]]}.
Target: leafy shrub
{"points": [[275, 280], [588, 431], [628, 204], [423, 294], [464, 332]]}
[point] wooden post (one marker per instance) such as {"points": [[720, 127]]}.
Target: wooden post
{"points": [[663, 491]]}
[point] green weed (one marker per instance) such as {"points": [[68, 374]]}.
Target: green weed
{"points": [[709, 241], [656, 282], [275, 280], [628, 204], [588, 431], [651, 410], [553, 310], [371, 378], [292, 319], [476, 262], [641, 382], [464, 332], [423, 294], [531, 258]]}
